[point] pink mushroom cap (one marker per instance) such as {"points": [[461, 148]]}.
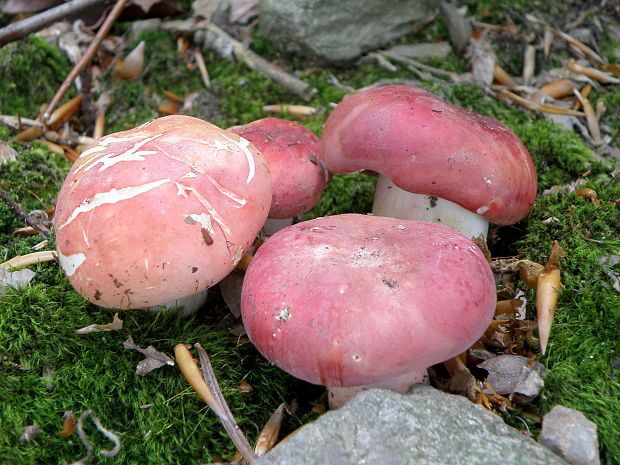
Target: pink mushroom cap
{"points": [[159, 212], [428, 146], [353, 300], [295, 161]]}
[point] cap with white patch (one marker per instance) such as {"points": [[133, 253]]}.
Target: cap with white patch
{"points": [[159, 212]]}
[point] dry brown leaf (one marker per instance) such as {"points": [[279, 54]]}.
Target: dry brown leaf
{"points": [[547, 293], [69, 423], [154, 358], [270, 432], [64, 112], [559, 88], [132, 65], [116, 324]]}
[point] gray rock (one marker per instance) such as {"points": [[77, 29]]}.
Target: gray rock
{"points": [[571, 435], [514, 374], [338, 32], [423, 427]]}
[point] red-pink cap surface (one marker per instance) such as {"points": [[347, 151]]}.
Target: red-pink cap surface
{"points": [[428, 146], [295, 161], [159, 212], [350, 299]]}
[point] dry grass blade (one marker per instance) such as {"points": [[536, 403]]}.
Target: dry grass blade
{"points": [[591, 118], [270, 432], [202, 67], [594, 57], [529, 63], [503, 78], [208, 390], [593, 73], [293, 110], [34, 258], [17, 122], [547, 293], [543, 107]]}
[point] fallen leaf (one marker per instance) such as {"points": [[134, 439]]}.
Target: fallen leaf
{"points": [[269, 434], [15, 278], [116, 324], [154, 358], [69, 423], [29, 433]]}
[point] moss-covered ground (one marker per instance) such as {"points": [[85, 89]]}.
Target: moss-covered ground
{"points": [[46, 369]]}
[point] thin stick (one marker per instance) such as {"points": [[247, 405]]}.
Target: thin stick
{"points": [[29, 220], [37, 22], [29, 259], [257, 63], [87, 58], [202, 66], [208, 390]]}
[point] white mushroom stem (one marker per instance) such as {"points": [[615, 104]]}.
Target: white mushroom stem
{"points": [[394, 202], [338, 396], [273, 225], [189, 304]]}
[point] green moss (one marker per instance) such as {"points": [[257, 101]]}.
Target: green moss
{"points": [[352, 193], [33, 181], [584, 338], [28, 68], [46, 369]]}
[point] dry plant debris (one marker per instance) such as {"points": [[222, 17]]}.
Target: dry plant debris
{"points": [[115, 325], [153, 360]]}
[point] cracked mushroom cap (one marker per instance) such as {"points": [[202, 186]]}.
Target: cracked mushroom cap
{"points": [[428, 146], [354, 300], [295, 160], [159, 212]]}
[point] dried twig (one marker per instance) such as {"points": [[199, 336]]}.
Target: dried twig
{"points": [[86, 58], [208, 390], [89, 445], [29, 220], [34, 258], [37, 22], [257, 63]]}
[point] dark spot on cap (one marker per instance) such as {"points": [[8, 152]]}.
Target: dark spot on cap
{"points": [[389, 282], [432, 200], [206, 236], [117, 283], [194, 269], [97, 295]]}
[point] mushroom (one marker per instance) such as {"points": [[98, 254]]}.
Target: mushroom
{"points": [[355, 301], [437, 162], [295, 161], [159, 213]]}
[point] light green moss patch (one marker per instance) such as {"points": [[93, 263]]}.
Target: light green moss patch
{"points": [[29, 68]]}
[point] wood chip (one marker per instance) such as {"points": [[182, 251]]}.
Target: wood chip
{"points": [[115, 325]]}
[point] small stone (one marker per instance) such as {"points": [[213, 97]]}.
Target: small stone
{"points": [[570, 435], [510, 374], [338, 32]]}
